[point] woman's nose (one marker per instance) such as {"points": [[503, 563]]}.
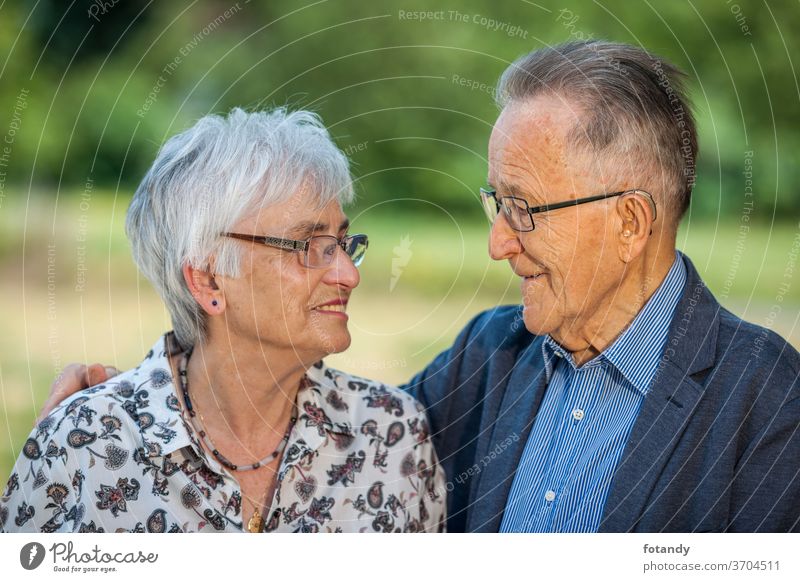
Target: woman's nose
{"points": [[342, 271]]}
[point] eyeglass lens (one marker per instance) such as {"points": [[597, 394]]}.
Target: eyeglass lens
{"points": [[322, 250]]}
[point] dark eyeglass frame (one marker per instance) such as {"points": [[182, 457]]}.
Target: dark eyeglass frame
{"points": [[555, 206], [296, 246]]}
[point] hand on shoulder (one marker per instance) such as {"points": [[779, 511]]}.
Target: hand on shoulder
{"points": [[72, 379]]}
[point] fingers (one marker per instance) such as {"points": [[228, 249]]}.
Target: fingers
{"points": [[70, 380], [95, 374], [73, 378], [98, 373]]}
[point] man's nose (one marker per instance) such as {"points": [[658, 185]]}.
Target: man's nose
{"points": [[504, 241], [342, 271]]}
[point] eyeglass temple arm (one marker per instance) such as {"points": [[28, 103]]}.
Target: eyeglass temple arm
{"points": [[281, 243], [548, 207], [579, 201]]}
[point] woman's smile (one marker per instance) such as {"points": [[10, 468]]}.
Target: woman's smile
{"points": [[336, 308]]}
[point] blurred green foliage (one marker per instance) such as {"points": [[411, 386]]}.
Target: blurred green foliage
{"points": [[90, 89], [423, 279], [107, 82]]}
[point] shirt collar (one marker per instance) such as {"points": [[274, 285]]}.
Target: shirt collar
{"points": [[637, 352], [161, 425], [327, 395], [322, 415], [552, 352], [321, 402]]}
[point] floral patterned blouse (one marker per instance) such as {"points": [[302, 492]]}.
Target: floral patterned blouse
{"points": [[119, 457]]}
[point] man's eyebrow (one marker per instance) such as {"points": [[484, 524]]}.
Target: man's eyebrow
{"points": [[510, 190]]}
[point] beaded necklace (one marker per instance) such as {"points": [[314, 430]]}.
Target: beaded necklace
{"points": [[256, 522]]}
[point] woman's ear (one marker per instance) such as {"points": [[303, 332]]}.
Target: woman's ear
{"points": [[204, 288]]}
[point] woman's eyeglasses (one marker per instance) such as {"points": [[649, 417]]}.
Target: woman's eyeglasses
{"points": [[318, 251]]}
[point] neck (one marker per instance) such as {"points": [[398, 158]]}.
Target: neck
{"points": [[640, 280], [243, 391]]}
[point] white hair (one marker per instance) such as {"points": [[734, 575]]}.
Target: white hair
{"points": [[635, 107], [209, 177]]}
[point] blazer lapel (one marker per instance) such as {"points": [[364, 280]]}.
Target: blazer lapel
{"points": [[657, 430], [669, 404], [499, 455]]}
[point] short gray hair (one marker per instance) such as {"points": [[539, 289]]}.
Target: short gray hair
{"points": [[633, 104], [206, 179]]}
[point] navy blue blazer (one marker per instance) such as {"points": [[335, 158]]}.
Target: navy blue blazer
{"points": [[716, 446]]}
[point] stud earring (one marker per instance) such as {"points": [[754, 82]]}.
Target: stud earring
{"points": [[214, 303]]}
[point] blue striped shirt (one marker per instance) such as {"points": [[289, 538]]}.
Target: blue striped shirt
{"points": [[585, 419]]}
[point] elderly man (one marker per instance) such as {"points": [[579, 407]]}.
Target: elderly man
{"points": [[620, 396]]}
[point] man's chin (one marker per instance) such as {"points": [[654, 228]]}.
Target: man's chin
{"points": [[536, 322]]}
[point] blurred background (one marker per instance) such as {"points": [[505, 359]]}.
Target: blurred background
{"points": [[91, 89]]}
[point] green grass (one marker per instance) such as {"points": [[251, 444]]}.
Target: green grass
{"points": [[399, 321]]}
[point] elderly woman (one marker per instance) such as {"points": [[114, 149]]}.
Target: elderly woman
{"points": [[232, 422]]}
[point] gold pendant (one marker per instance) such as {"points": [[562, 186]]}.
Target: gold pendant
{"points": [[255, 523]]}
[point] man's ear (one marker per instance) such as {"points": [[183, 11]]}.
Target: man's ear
{"points": [[635, 224], [204, 288]]}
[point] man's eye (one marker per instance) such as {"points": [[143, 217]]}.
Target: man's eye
{"points": [[517, 208]]}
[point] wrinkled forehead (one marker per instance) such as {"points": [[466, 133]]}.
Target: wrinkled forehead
{"points": [[533, 137], [299, 216]]}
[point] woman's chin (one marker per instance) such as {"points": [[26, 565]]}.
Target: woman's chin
{"points": [[343, 344], [334, 342]]}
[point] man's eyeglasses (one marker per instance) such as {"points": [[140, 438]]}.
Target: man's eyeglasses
{"points": [[318, 251], [520, 215]]}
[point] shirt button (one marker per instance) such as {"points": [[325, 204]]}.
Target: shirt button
{"points": [[577, 414], [550, 496]]}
